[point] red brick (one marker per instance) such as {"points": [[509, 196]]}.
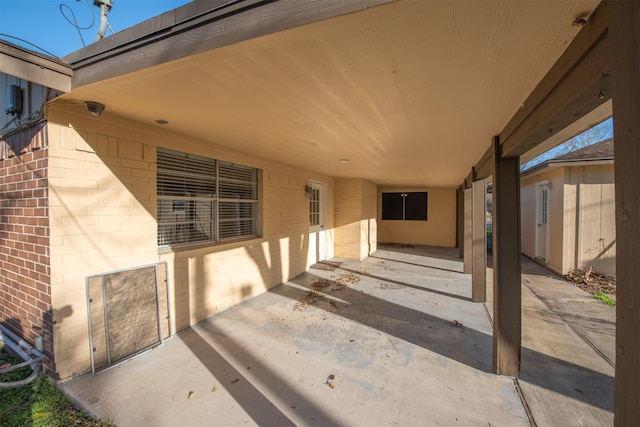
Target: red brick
{"points": [[25, 291], [42, 305]]}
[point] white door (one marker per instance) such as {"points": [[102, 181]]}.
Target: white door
{"points": [[542, 221], [317, 222]]}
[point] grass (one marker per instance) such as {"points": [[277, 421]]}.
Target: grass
{"points": [[39, 403], [605, 298]]}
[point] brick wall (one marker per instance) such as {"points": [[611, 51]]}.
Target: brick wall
{"points": [[25, 285]]}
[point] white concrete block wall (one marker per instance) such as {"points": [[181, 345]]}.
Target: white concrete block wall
{"points": [[102, 219], [368, 223], [438, 230], [348, 209], [102, 215], [356, 227]]}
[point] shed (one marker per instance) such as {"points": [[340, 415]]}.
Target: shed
{"points": [[568, 210]]}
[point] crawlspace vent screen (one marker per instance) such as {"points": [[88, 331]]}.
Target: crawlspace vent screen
{"points": [[125, 314]]}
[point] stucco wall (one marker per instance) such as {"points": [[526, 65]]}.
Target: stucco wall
{"points": [[438, 230], [103, 208]]}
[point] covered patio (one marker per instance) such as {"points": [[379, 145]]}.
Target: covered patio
{"points": [[392, 340], [360, 97]]}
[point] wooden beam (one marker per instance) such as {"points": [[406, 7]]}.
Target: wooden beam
{"points": [[576, 84], [625, 50], [479, 244], [484, 167], [507, 301], [586, 87], [468, 180]]}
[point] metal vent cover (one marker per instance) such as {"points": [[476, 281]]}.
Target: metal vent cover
{"points": [[128, 313]]}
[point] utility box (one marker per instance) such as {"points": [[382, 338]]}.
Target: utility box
{"points": [[14, 100]]}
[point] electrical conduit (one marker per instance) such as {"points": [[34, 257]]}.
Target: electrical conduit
{"points": [[26, 352]]}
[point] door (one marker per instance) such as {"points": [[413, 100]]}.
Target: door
{"points": [[542, 221], [317, 221]]}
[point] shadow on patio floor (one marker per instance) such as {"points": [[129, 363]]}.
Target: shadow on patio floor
{"points": [[399, 336]]}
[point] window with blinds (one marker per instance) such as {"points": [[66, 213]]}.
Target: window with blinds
{"points": [[204, 200]]}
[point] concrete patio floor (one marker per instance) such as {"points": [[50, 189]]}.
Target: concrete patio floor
{"points": [[391, 340]]}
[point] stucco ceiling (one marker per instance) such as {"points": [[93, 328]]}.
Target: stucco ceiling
{"points": [[410, 92]]}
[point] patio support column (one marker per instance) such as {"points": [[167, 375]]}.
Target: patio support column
{"points": [[460, 220], [507, 302], [625, 69], [468, 235], [479, 249]]}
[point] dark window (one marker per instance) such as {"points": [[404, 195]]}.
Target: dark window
{"points": [[406, 206], [392, 206]]}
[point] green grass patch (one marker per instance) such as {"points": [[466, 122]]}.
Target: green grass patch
{"points": [[605, 298], [39, 403]]}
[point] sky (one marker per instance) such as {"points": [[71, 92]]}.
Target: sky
{"points": [[600, 132], [43, 22]]}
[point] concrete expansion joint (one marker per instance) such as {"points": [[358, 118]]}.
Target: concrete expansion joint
{"points": [[488, 313], [573, 328], [532, 421]]}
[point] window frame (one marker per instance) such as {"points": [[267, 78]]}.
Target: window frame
{"points": [[394, 205], [228, 200]]}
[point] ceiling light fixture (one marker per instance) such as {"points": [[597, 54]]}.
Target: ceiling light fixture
{"points": [[344, 160], [95, 108]]}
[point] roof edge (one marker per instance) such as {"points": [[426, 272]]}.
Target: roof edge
{"points": [[566, 163], [198, 27], [35, 67]]}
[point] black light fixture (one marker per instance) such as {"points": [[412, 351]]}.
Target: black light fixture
{"points": [[308, 190], [95, 108]]}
